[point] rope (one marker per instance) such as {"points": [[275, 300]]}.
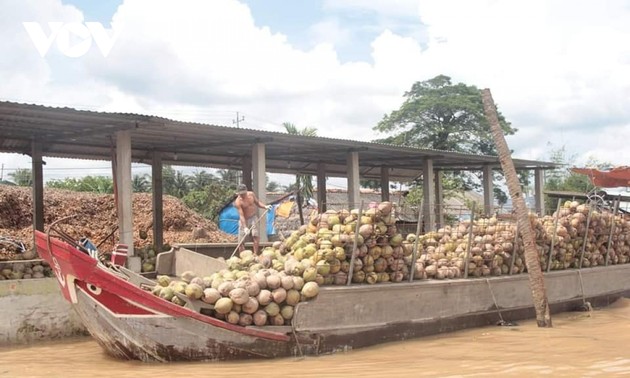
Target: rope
{"points": [[586, 305], [494, 299], [297, 342]]}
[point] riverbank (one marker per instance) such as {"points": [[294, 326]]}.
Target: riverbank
{"points": [[35, 310]]}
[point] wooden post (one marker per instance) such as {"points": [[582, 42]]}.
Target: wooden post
{"points": [[612, 227], [38, 186], [384, 183], [514, 250], [321, 187], [553, 235], [158, 205], [470, 237], [585, 239], [536, 279], [414, 254]]}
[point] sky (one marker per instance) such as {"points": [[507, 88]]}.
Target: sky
{"points": [[558, 70]]}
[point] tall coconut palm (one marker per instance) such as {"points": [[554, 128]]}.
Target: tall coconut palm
{"points": [[536, 280], [141, 183], [181, 184], [200, 180], [304, 183]]}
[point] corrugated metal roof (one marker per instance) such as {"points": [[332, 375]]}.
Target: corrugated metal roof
{"points": [[84, 134]]}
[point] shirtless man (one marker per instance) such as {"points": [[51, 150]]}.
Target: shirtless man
{"points": [[246, 203]]}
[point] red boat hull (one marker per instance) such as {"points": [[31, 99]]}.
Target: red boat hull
{"points": [[131, 323]]}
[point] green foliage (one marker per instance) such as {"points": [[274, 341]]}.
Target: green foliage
{"points": [[563, 179], [96, 184], [141, 183], [209, 200], [273, 186], [230, 177], [201, 179], [440, 115], [22, 177]]}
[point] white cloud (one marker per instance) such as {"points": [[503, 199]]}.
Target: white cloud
{"points": [[560, 71]]}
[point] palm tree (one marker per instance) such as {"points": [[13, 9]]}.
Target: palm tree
{"points": [[140, 183], [302, 182], [536, 279], [22, 177], [230, 177], [181, 184], [200, 180]]}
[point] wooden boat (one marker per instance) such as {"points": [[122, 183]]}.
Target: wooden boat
{"points": [[131, 323]]}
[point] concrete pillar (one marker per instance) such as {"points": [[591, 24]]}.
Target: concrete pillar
{"points": [[37, 173], [488, 190], [354, 193], [428, 194], [321, 186], [247, 171], [439, 199], [259, 183], [539, 183], [384, 183], [125, 195], [158, 196]]}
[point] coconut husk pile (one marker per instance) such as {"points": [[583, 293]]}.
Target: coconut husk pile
{"points": [[95, 218]]}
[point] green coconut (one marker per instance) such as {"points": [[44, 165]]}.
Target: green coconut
{"points": [[187, 276], [310, 289], [272, 309], [177, 300], [287, 312], [194, 291], [293, 297], [157, 289], [223, 305], [309, 274], [167, 293], [163, 280]]}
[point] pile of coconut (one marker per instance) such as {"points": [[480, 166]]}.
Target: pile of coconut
{"points": [[367, 246], [245, 294], [577, 232]]}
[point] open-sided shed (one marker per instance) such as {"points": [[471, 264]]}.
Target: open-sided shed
{"points": [[123, 138]]}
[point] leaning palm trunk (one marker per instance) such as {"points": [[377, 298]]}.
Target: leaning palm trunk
{"points": [[536, 280]]}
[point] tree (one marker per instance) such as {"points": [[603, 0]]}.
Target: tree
{"points": [[563, 178], [200, 180], [273, 186], [95, 184], [141, 183], [22, 177], [440, 115], [168, 179], [302, 182], [181, 184], [230, 177]]}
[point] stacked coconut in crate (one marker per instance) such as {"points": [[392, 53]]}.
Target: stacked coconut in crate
{"points": [[265, 289]]}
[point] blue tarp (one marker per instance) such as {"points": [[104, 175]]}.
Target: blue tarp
{"points": [[228, 220]]}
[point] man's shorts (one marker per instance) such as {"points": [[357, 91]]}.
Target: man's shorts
{"points": [[253, 226]]}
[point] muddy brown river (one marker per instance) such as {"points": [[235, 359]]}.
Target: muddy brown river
{"points": [[579, 345]]}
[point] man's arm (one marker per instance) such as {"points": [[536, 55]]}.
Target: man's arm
{"points": [[258, 203]]}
